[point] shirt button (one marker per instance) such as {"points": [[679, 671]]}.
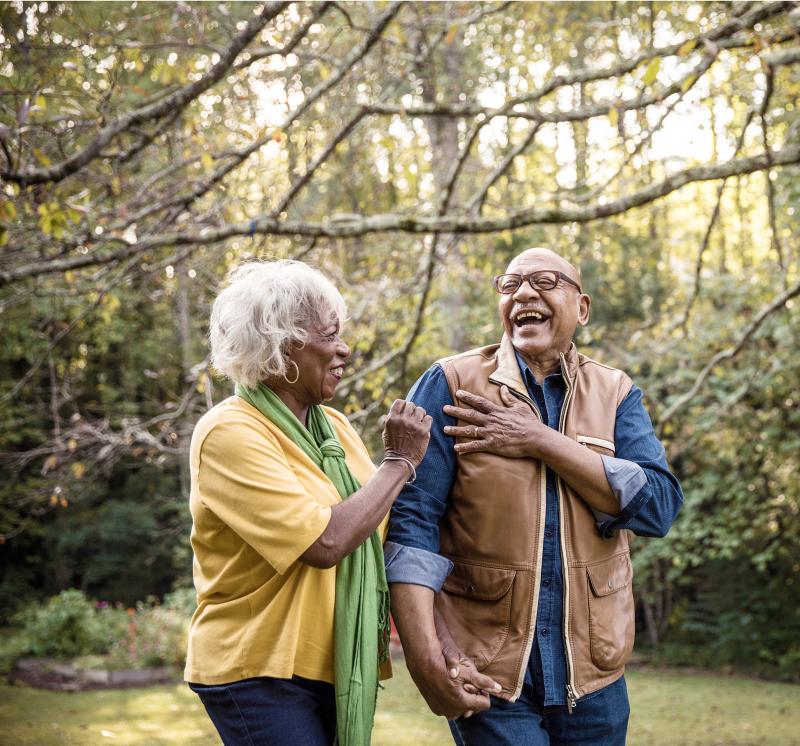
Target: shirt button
{"points": [[543, 632], [548, 533], [546, 583]]}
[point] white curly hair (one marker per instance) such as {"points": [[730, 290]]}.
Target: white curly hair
{"points": [[266, 307]]}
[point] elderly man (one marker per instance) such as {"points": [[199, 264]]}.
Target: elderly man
{"points": [[509, 570]]}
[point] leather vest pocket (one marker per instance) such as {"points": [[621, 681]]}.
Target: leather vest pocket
{"points": [[611, 611], [475, 602]]}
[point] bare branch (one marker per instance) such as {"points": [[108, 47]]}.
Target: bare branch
{"points": [[698, 269], [258, 54], [475, 205]]}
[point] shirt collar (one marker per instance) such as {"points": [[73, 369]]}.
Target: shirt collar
{"points": [[527, 374]]}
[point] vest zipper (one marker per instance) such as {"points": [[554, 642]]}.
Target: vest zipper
{"points": [[571, 693], [539, 546]]}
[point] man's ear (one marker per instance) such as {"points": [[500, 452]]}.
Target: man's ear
{"points": [[584, 303]]}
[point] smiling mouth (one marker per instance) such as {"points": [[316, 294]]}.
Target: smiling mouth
{"points": [[529, 318], [337, 372]]}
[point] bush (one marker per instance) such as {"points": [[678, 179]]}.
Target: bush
{"points": [[155, 634], [71, 626], [64, 627]]}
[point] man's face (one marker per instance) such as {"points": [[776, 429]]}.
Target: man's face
{"points": [[559, 310]]}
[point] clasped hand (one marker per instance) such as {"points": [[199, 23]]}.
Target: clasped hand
{"points": [[508, 430], [453, 687]]}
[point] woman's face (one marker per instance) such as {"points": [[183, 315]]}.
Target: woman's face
{"points": [[321, 362]]}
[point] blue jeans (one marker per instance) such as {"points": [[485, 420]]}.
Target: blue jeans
{"points": [[266, 711], [598, 719]]}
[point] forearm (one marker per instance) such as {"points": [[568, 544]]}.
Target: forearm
{"points": [[581, 468], [354, 519], [413, 613]]}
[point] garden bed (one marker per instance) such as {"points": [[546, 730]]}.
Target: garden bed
{"points": [[65, 676]]}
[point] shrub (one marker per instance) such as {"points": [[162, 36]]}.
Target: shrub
{"points": [[71, 626], [156, 635], [63, 627]]}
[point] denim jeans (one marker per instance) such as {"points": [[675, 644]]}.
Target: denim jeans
{"points": [[266, 711], [598, 719]]}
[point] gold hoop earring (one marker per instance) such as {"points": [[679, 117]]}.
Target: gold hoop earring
{"points": [[297, 371]]}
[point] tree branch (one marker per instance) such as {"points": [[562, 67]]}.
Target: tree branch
{"points": [[169, 105], [348, 226], [727, 354]]}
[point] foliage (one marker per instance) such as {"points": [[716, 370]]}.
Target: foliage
{"points": [[67, 625], [103, 635]]}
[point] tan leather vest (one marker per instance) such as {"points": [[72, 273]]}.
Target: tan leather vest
{"points": [[493, 532]]}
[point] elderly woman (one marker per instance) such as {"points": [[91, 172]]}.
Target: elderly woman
{"points": [[289, 511]]}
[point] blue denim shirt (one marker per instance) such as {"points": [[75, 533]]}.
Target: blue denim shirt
{"points": [[649, 496]]}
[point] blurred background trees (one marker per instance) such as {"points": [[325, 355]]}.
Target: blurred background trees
{"points": [[409, 151]]}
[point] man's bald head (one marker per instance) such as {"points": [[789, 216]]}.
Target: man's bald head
{"points": [[554, 261]]}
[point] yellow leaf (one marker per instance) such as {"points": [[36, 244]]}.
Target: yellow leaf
{"points": [[324, 72], [64, 502], [3, 236], [116, 186], [207, 161], [452, 32], [54, 499], [41, 102], [78, 470], [72, 444], [613, 116], [41, 157], [49, 463], [687, 47], [651, 73], [688, 83]]}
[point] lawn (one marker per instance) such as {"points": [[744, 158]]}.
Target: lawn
{"points": [[670, 708]]}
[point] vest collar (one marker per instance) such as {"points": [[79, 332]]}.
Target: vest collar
{"points": [[508, 373]]}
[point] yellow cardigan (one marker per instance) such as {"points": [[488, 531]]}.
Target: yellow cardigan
{"points": [[257, 503]]}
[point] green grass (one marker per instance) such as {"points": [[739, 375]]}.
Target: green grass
{"points": [[670, 708]]}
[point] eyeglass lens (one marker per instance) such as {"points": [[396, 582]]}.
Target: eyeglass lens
{"points": [[543, 280]]}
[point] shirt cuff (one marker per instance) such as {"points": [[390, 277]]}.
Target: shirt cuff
{"points": [[417, 566], [626, 479]]}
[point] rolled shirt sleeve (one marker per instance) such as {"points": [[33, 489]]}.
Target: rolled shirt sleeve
{"points": [[649, 494], [417, 566]]}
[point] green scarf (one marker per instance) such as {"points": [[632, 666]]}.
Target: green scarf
{"points": [[361, 620]]}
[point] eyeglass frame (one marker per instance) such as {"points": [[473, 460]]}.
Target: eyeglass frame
{"points": [[530, 277]]}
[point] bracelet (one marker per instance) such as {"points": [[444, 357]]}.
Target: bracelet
{"points": [[411, 466]]}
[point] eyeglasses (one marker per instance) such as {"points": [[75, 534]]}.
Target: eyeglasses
{"points": [[545, 279]]}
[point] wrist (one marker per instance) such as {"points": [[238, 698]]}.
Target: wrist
{"points": [[396, 460], [425, 657]]}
